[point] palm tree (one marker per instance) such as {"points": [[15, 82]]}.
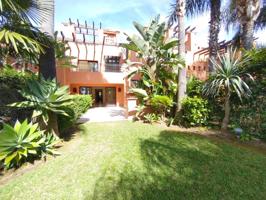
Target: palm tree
{"points": [[47, 59], [178, 15], [247, 15], [215, 6], [226, 80], [17, 33], [195, 7]]}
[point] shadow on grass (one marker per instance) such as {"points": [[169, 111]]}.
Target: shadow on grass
{"points": [[168, 169], [70, 133]]}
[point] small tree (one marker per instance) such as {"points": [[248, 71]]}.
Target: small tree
{"points": [[228, 79]]}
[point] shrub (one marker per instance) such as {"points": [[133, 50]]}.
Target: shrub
{"points": [[151, 118], [194, 87], [250, 115], [195, 111], [24, 142], [81, 103], [161, 104], [11, 81]]}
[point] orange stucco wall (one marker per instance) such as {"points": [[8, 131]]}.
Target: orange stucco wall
{"points": [[93, 79]]}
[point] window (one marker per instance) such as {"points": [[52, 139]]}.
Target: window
{"points": [[86, 65], [112, 64], [85, 90]]}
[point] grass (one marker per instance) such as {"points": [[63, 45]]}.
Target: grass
{"points": [[135, 161]]}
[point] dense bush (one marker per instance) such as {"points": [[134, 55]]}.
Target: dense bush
{"points": [[81, 103], [195, 111], [194, 87], [11, 81], [24, 142], [161, 104], [251, 113]]}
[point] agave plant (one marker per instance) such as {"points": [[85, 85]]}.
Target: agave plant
{"points": [[20, 143], [48, 101], [48, 146], [228, 79]]}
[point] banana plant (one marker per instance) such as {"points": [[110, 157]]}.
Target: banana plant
{"points": [[159, 62], [47, 99]]}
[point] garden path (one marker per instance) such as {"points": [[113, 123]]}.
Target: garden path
{"points": [[103, 114]]}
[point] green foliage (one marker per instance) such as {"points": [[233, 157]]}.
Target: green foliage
{"points": [[18, 34], [251, 114], [14, 78], [194, 87], [245, 137], [228, 77], [228, 80], [11, 81], [16, 39], [60, 53], [48, 145], [195, 111], [45, 97], [161, 104], [22, 143], [80, 104], [159, 62], [151, 118]]}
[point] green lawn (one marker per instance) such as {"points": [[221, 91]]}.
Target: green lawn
{"points": [[127, 160]]}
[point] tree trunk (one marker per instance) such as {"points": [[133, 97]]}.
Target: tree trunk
{"points": [[47, 60], [182, 75], [47, 63], [226, 113], [247, 35], [214, 31], [248, 11], [52, 123]]}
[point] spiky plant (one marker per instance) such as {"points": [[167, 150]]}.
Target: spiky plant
{"points": [[228, 79], [47, 99]]}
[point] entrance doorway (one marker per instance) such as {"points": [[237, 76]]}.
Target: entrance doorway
{"points": [[110, 93], [98, 97]]}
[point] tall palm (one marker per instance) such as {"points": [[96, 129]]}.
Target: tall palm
{"points": [[215, 21], [195, 7], [178, 15], [226, 80], [247, 15], [47, 59]]}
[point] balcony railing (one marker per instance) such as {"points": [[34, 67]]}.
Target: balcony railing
{"points": [[109, 67]]}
